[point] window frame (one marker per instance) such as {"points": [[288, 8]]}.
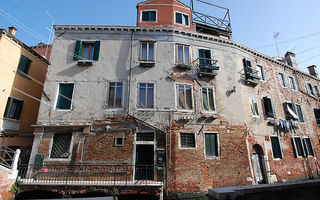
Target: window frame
{"points": [[314, 112], [180, 140], [57, 96], [70, 148], [310, 90], [272, 108], [282, 79], [280, 146], [217, 148], [8, 108], [79, 50], [316, 90], [261, 72], [116, 144], [182, 14], [307, 148], [177, 101], [28, 67], [154, 51], [254, 97], [148, 10], [138, 96], [292, 82], [214, 99], [122, 97], [183, 53], [301, 120], [295, 148]]}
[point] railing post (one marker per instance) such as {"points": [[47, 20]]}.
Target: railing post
{"points": [[67, 174], [14, 165], [115, 174]]}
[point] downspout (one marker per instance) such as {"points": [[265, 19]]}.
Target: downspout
{"points": [[167, 159], [130, 74], [249, 157]]}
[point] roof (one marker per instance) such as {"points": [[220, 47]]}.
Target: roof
{"points": [[23, 45]]}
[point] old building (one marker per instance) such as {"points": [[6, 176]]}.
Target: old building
{"points": [[172, 104], [22, 76]]}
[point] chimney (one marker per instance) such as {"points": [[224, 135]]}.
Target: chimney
{"points": [[12, 30], [291, 59], [313, 71]]}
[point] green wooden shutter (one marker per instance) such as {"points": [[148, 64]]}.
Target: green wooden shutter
{"points": [[77, 50], [96, 50], [294, 147], [272, 108], [310, 142], [280, 147], [207, 143], [304, 148], [38, 161]]}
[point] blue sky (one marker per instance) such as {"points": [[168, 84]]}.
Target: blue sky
{"points": [[253, 22]]}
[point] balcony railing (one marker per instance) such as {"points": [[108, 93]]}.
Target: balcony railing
{"points": [[6, 156], [251, 76], [91, 175], [207, 66]]}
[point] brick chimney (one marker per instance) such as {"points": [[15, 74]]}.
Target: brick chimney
{"points": [[12, 30], [291, 59], [313, 71]]}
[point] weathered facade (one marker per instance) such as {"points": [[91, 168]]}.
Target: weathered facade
{"points": [[176, 106]]}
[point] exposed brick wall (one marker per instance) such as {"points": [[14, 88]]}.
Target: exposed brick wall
{"points": [[5, 186]]}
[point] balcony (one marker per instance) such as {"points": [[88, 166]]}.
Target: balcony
{"points": [[90, 175], [251, 76], [207, 67]]}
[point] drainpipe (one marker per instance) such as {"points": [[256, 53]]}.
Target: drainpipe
{"points": [[130, 73], [249, 157]]}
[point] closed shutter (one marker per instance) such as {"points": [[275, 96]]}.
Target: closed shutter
{"points": [[96, 50], [211, 144], [77, 50], [38, 161]]}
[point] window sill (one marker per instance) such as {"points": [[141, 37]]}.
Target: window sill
{"points": [[277, 159], [24, 75], [146, 109], [147, 63], [63, 110], [188, 148], [85, 62], [212, 157], [58, 159], [188, 111]]}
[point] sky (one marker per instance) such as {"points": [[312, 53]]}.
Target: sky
{"points": [[254, 22]]}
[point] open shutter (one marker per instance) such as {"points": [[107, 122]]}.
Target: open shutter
{"points": [[311, 146], [201, 56], [307, 88], [96, 50], [280, 145], [272, 108], [77, 50], [304, 148], [294, 147]]}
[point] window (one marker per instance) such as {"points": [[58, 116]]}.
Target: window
{"points": [[250, 73], [254, 105], [309, 89], [291, 111], [118, 141], [292, 83], [299, 148], [299, 111], [182, 19], [115, 95], [24, 64], [146, 136], [205, 57], [276, 147], [64, 98], [211, 144], [268, 107], [187, 140], [182, 54], [261, 73], [208, 99], [147, 51], [317, 115], [184, 97], [13, 108], [86, 50], [149, 16], [316, 89], [308, 144], [61, 145], [146, 95], [282, 79]]}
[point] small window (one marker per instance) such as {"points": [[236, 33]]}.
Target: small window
{"points": [[115, 95], [182, 19], [145, 136], [308, 145], [276, 147], [146, 95], [261, 73], [317, 115], [211, 144], [282, 79], [184, 97], [299, 148], [149, 16], [292, 83], [309, 89], [24, 64], [268, 107], [147, 51], [208, 99], [182, 54], [13, 108], [61, 145], [299, 111], [187, 140], [254, 105], [86, 50], [64, 98], [118, 141], [316, 90]]}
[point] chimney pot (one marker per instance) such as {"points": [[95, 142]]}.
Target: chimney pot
{"points": [[313, 71], [291, 59], [13, 30]]}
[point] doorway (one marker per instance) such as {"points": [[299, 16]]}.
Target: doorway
{"points": [[144, 169], [258, 163]]}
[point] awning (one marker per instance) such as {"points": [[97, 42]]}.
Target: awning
{"points": [[294, 115]]}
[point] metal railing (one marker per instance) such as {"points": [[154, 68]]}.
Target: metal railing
{"points": [[207, 65], [6, 156], [251, 74], [215, 22], [87, 174]]}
